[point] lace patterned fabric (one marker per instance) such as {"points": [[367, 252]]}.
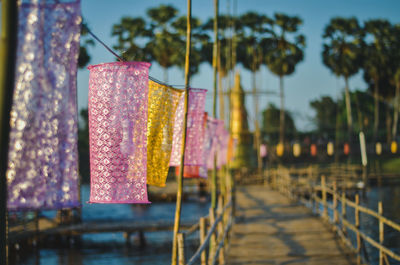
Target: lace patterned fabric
{"points": [[118, 109], [42, 168], [163, 102], [195, 129]]}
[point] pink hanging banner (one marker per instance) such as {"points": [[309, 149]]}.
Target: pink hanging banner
{"points": [[118, 102], [216, 130], [195, 130], [43, 157], [223, 142]]}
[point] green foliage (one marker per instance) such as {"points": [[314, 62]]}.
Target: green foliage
{"points": [[83, 146], [85, 43], [325, 119], [271, 123]]}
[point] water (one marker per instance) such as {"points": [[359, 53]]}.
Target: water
{"points": [[110, 248]]}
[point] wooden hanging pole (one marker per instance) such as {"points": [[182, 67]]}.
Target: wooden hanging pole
{"points": [[8, 48], [215, 67], [180, 177]]}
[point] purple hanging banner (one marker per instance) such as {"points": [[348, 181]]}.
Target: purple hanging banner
{"points": [[118, 103], [195, 129], [43, 162]]}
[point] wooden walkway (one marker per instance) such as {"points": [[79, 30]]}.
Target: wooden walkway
{"points": [[271, 229]]}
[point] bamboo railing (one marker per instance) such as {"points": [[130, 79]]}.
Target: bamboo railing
{"points": [[213, 242], [317, 197]]}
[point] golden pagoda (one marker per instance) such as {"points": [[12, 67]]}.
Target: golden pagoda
{"points": [[244, 155]]}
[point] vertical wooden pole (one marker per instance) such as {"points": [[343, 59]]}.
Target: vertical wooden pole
{"points": [[221, 256], [357, 224], [381, 232], [344, 211], [202, 233], [212, 239], [324, 202], [181, 249], [180, 177], [8, 47], [335, 204], [215, 68]]}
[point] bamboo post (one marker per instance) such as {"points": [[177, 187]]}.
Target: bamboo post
{"points": [[212, 240], [381, 232], [324, 202], [202, 232], [335, 205], [343, 211], [180, 177], [357, 224], [181, 249], [8, 47], [221, 256], [215, 68]]}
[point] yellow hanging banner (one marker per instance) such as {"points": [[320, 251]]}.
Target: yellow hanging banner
{"points": [[163, 102]]}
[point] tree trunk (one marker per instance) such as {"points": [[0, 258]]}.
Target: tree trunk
{"points": [[388, 125], [376, 108], [396, 111], [348, 108], [282, 113], [257, 140]]}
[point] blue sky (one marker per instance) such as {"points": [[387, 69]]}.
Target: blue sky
{"points": [[311, 79]]}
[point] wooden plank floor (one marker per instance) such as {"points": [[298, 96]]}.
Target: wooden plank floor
{"points": [[271, 229]]}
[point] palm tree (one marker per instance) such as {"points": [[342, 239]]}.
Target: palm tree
{"points": [[342, 54], [376, 59], [283, 55], [164, 42], [252, 33], [128, 31], [395, 52]]}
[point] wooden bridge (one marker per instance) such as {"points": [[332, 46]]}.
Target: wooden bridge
{"points": [[267, 223], [272, 229]]}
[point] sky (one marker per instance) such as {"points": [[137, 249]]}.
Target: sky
{"points": [[311, 79]]}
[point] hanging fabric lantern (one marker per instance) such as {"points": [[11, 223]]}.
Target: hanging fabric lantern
{"points": [[280, 148], [296, 150], [195, 130], [378, 148], [163, 102], [43, 157], [222, 154], [190, 171], [330, 149], [313, 149], [346, 148], [263, 150], [393, 147], [118, 101]]}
